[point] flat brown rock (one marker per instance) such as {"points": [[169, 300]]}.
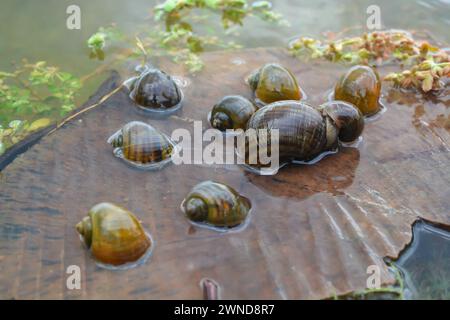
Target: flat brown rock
{"points": [[314, 230]]}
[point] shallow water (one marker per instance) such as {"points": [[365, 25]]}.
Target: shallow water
{"points": [[37, 30], [425, 263], [335, 189]]}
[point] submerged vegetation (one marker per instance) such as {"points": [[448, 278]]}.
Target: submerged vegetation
{"points": [[30, 96], [35, 93], [426, 66], [174, 34]]}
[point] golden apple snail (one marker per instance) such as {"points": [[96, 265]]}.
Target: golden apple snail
{"points": [[305, 132], [155, 91], [361, 86], [232, 112], [272, 83], [142, 146], [114, 235], [215, 205]]}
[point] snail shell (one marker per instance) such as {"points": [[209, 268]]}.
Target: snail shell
{"points": [[304, 131], [348, 119], [272, 83], [154, 90], [142, 146], [360, 86], [217, 205], [232, 112], [113, 234]]}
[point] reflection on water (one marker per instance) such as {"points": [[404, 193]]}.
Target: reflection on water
{"points": [[430, 113], [332, 174], [425, 263]]}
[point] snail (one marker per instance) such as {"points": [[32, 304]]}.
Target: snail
{"points": [[306, 132], [113, 234], [156, 91], [272, 83], [361, 86], [232, 112], [215, 205], [142, 146]]}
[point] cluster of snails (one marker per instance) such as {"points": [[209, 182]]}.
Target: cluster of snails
{"points": [[305, 131], [115, 236]]}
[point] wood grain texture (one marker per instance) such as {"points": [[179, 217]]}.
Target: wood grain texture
{"points": [[313, 232]]}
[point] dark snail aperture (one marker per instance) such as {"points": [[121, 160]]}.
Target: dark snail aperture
{"points": [[232, 112], [215, 205], [360, 86], [272, 83], [114, 235], [142, 146], [156, 91]]}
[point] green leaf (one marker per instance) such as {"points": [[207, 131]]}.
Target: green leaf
{"points": [[6, 74], [38, 124], [262, 5], [97, 41], [169, 5], [213, 4], [15, 124]]}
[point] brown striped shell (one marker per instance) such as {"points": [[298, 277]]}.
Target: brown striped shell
{"points": [[302, 129], [231, 112], [306, 133], [114, 235], [141, 145], [154, 90], [216, 205]]}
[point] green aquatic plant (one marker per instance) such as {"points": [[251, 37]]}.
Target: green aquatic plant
{"points": [[425, 65], [174, 34], [98, 41], [31, 95]]}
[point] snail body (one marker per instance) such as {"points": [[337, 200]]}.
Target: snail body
{"points": [[141, 145], [154, 90], [272, 83], [361, 86], [306, 132], [113, 234], [232, 112], [216, 205]]}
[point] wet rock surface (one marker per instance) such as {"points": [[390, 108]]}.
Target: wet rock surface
{"points": [[314, 229]]}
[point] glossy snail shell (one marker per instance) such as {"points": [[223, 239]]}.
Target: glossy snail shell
{"points": [[348, 119], [216, 205], [304, 131], [361, 86], [154, 90], [142, 145], [272, 83], [232, 112], [113, 234]]}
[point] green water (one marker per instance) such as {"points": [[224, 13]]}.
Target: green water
{"points": [[36, 30]]}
